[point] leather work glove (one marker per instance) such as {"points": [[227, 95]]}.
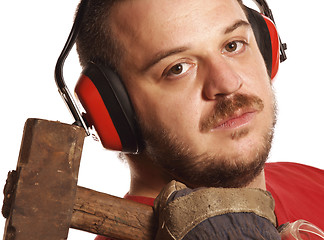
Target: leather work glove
{"points": [[215, 213]]}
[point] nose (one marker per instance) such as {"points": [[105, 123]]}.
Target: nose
{"points": [[221, 79]]}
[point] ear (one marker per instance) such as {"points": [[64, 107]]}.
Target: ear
{"points": [[108, 108]]}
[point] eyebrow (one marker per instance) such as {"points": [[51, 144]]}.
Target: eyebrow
{"points": [[161, 55], [164, 54], [236, 25]]}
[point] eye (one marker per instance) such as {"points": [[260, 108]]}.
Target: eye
{"points": [[178, 69], [234, 47]]}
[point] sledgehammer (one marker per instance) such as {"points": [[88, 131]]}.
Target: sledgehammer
{"points": [[42, 199]]}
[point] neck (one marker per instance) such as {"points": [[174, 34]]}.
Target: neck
{"points": [[258, 182], [146, 179]]}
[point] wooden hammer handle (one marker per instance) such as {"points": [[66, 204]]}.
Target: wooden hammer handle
{"points": [[111, 216]]}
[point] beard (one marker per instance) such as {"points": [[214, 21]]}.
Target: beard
{"points": [[180, 161]]}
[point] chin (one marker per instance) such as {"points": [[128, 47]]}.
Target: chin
{"points": [[233, 160]]}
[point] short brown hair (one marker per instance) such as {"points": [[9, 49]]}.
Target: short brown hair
{"points": [[95, 41]]}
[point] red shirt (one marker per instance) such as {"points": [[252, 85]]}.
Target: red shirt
{"points": [[298, 191]]}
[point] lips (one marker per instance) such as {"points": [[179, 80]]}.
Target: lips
{"points": [[236, 120], [232, 112]]}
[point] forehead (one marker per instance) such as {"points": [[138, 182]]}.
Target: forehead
{"points": [[145, 26]]}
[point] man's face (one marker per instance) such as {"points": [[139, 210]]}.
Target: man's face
{"points": [[199, 86]]}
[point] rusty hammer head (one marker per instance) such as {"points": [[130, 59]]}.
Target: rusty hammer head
{"points": [[39, 197]]}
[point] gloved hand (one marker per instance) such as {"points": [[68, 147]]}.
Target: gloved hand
{"points": [[215, 213]]}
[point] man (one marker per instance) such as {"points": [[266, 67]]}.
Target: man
{"points": [[201, 92]]}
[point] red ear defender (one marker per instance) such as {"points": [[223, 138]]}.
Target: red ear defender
{"points": [[103, 96], [97, 114], [275, 46], [267, 39], [108, 108]]}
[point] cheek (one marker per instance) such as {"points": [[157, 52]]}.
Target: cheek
{"points": [[257, 82], [156, 107], [256, 76], [185, 113], [252, 66]]}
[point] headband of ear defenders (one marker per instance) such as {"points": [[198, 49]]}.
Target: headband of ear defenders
{"points": [[58, 74], [105, 99]]}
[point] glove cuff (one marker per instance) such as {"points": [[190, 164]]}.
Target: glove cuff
{"points": [[200, 204]]}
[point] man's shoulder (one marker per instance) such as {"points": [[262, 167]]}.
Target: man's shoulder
{"points": [[292, 173], [298, 191], [283, 177], [289, 166]]}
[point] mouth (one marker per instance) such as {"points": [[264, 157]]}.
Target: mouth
{"points": [[239, 119], [232, 113]]}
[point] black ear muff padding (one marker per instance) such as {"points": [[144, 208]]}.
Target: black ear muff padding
{"points": [[115, 97], [262, 36]]}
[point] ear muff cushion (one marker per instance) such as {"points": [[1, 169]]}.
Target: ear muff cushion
{"points": [[108, 108], [275, 46], [97, 114], [267, 39]]}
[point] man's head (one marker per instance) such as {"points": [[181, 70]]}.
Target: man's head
{"points": [[198, 83]]}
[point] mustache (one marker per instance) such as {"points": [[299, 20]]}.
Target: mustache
{"points": [[226, 107]]}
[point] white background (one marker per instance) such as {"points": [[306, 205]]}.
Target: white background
{"points": [[34, 32]]}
